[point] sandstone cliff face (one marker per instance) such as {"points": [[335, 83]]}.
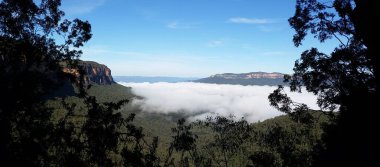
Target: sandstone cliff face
{"points": [[95, 73], [252, 78], [264, 75], [252, 75]]}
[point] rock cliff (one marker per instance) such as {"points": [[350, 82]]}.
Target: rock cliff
{"points": [[252, 78], [95, 73], [251, 75]]}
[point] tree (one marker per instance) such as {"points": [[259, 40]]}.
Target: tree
{"points": [[184, 141], [31, 68], [347, 79], [29, 71], [285, 141], [228, 139]]}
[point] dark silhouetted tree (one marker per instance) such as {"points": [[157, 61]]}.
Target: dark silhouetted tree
{"points": [[265, 159], [31, 69], [136, 151], [184, 142], [346, 79], [228, 139]]}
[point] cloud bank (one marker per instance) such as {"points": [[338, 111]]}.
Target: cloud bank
{"points": [[82, 6], [178, 25], [243, 20], [200, 100]]}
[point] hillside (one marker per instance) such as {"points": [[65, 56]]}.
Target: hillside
{"points": [[161, 125], [292, 134], [94, 73], [252, 78]]}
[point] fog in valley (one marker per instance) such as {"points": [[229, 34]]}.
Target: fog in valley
{"points": [[200, 100]]}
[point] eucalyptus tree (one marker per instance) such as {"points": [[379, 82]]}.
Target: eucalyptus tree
{"points": [[347, 79]]}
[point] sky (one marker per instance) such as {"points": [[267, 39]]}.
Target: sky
{"points": [[190, 38]]}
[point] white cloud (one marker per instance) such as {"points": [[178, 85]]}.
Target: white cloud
{"points": [[74, 7], [199, 99], [173, 25], [178, 25], [243, 20], [215, 43]]}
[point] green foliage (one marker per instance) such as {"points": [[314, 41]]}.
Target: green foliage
{"points": [[346, 79], [183, 141], [72, 131], [229, 136], [94, 127], [288, 143], [29, 70], [110, 93], [105, 134], [278, 142], [265, 159]]}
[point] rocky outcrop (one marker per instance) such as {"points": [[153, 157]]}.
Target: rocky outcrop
{"points": [[251, 75], [252, 78], [94, 73]]}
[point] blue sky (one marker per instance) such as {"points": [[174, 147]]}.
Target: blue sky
{"points": [[190, 38]]}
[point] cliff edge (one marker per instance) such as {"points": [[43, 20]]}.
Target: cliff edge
{"points": [[94, 73]]}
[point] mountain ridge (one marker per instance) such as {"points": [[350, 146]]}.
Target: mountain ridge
{"points": [[251, 78]]}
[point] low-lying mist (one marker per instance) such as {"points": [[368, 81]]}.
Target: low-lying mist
{"points": [[200, 100]]}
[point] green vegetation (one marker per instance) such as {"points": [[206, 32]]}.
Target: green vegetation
{"points": [[110, 93], [281, 141], [73, 131], [219, 141], [347, 79], [97, 127]]}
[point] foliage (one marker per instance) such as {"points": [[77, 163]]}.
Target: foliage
{"points": [[29, 70], [183, 141], [228, 139], [285, 142], [83, 132], [197, 139], [87, 131], [346, 79], [279, 142], [110, 93]]}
